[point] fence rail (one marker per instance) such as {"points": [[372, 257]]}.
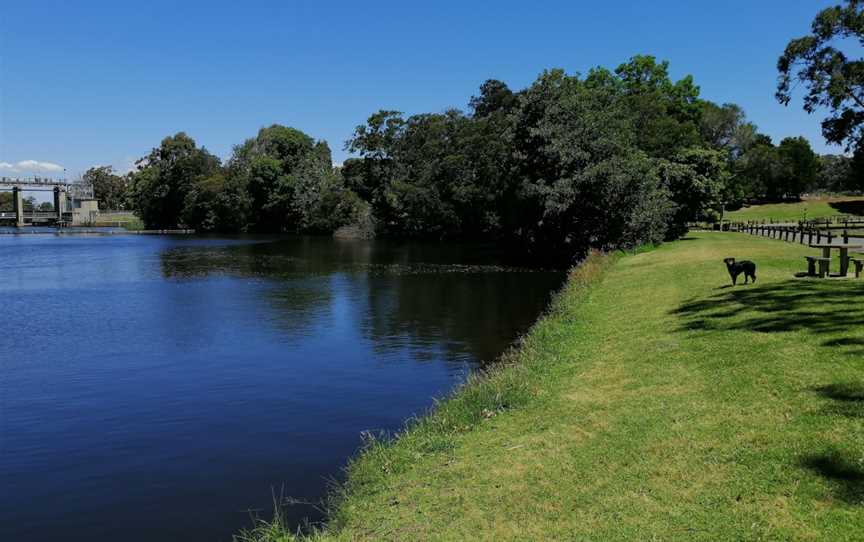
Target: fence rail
{"points": [[805, 233]]}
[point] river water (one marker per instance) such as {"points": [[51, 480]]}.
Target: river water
{"points": [[165, 388]]}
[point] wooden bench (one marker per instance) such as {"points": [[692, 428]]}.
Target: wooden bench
{"points": [[859, 265], [824, 264]]}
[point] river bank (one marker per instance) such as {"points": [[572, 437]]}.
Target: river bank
{"points": [[651, 402]]}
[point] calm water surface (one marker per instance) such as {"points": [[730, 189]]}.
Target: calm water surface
{"points": [[160, 388]]}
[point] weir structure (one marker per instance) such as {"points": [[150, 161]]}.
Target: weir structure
{"points": [[68, 197]]}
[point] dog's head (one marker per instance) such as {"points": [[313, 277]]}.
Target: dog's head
{"points": [[729, 261]]}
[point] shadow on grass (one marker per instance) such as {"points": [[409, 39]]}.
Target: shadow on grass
{"points": [[848, 399], [854, 207], [846, 392], [831, 308], [845, 477]]}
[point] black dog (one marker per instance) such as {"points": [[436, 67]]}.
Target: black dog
{"points": [[736, 268]]}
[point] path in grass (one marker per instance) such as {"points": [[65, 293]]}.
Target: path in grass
{"points": [[663, 405], [807, 209]]}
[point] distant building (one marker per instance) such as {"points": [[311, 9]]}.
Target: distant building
{"points": [[85, 210]]}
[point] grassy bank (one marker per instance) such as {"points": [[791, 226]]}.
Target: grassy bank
{"points": [[118, 219], [653, 404], [807, 209]]}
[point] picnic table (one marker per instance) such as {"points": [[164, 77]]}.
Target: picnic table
{"points": [[844, 253]]}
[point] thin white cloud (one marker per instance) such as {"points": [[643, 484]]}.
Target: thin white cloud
{"points": [[127, 166], [30, 166]]}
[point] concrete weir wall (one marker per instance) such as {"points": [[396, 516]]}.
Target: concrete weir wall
{"points": [[74, 204]]}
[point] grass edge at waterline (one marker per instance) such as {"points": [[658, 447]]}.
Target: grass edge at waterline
{"points": [[513, 381], [659, 403]]}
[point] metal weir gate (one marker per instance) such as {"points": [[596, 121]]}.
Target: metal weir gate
{"points": [[19, 217]]}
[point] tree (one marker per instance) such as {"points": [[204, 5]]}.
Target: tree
{"points": [[665, 112], [216, 203], [756, 174], [290, 181], [495, 96], [110, 189], [567, 164], [726, 128], [158, 190], [696, 179], [856, 177], [584, 181], [431, 174], [798, 165], [835, 173], [832, 79]]}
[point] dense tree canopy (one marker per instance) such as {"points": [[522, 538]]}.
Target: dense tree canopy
{"points": [[109, 188], [280, 180], [614, 159], [290, 182], [166, 176], [799, 167]]}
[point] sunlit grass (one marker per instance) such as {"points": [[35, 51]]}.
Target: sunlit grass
{"points": [[127, 220], [653, 402], [807, 209]]}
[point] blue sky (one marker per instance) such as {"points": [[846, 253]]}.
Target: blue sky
{"points": [[97, 82]]}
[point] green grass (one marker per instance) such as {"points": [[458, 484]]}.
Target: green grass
{"points": [[653, 402], [807, 209], [134, 224], [128, 220]]}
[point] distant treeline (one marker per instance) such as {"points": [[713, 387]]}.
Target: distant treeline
{"points": [[612, 159]]}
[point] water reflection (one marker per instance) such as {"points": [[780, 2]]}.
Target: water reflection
{"points": [[157, 388], [451, 300]]}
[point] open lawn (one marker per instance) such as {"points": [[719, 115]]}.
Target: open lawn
{"points": [[807, 209], [128, 220], [654, 403]]}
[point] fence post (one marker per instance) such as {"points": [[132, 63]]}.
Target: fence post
{"points": [[845, 237]]}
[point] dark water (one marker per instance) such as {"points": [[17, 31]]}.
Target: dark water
{"points": [[158, 388]]}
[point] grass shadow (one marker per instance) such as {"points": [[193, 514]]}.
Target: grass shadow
{"points": [[831, 308], [851, 207], [845, 477], [847, 392], [848, 398]]}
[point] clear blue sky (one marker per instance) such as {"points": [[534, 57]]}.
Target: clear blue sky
{"points": [[101, 82]]}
